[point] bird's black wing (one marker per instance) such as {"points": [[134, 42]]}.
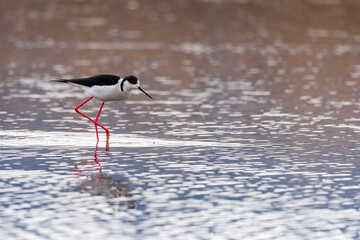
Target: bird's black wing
{"points": [[99, 80]]}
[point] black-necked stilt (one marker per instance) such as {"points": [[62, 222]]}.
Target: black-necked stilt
{"points": [[105, 88]]}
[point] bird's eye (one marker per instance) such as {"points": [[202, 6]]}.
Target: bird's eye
{"points": [[132, 79]]}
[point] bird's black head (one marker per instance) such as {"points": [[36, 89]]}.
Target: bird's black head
{"points": [[135, 83], [131, 79]]}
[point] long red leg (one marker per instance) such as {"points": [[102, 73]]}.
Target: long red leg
{"points": [[96, 120], [96, 123]]}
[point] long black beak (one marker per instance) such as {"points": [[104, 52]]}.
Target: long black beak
{"points": [[145, 93]]}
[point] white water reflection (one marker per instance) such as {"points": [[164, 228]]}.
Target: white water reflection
{"points": [[189, 190]]}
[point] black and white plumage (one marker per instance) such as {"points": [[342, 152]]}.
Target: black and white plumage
{"points": [[107, 87]]}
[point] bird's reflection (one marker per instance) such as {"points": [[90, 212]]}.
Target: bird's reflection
{"points": [[95, 182]]}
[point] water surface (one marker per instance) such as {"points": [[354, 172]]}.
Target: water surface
{"points": [[253, 134]]}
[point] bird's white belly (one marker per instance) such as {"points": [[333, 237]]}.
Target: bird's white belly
{"points": [[107, 93]]}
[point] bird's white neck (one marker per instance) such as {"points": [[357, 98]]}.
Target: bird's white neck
{"points": [[125, 86]]}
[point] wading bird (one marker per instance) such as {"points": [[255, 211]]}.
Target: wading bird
{"points": [[105, 88]]}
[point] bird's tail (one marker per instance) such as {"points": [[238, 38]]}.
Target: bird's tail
{"points": [[61, 80]]}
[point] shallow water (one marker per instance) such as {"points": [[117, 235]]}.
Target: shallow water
{"points": [[253, 133]]}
